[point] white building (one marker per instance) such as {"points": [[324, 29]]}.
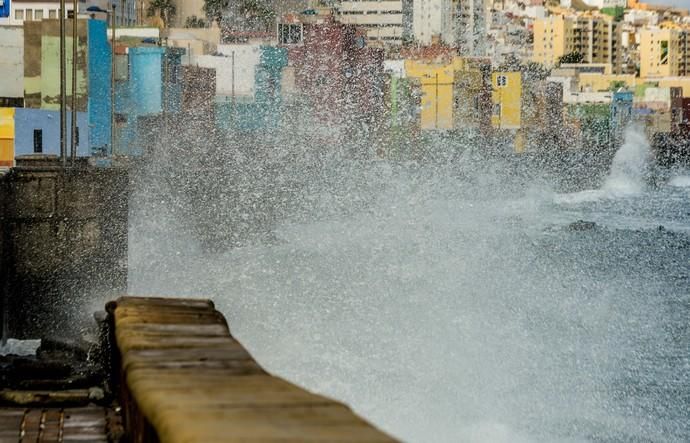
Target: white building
{"points": [[433, 18], [382, 19], [31, 10], [606, 3], [11, 65], [23, 10], [235, 67], [470, 20]]}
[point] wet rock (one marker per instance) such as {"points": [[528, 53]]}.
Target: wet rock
{"points": [[62, 350], [582, 225]]}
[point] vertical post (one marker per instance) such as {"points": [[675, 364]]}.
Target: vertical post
{"points": [[165, 88], [436, 122], [233, 82], [73, 135], [63, 88], [112, 81]]}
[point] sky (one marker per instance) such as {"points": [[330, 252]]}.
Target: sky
{"points": [[680, 3]]}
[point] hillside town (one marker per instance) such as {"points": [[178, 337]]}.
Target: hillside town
{"points": [[532, 75]]}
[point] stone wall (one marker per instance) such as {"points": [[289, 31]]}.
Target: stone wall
{"points": [[65, 240]]}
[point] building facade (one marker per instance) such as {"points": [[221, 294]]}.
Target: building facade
{"points": [[12, 66], [383, 20], [27, 11], [597, 38], [470, 26], [432, 18], [664, 52]]}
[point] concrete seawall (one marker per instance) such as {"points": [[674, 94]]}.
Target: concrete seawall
{"points": [[63, 242], [183, 378]]}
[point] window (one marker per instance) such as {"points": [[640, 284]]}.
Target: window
{"points": [[501, 81], [289, 34], [664, 52], [497, 110], [38, 14], [52, 13], [38, 141], [29, 15], [19, 14]]}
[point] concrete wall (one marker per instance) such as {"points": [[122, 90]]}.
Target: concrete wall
{"points": [[12, 62], [65, 245]]}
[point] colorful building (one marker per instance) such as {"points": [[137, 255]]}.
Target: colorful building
{"points": [[37, 131], [6, 137], [436, 81], [258, 99], [42, 64], [339, 78], [506, 97], [99, 75]]}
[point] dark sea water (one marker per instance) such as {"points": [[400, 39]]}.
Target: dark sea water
{"points": [[462, 304]]}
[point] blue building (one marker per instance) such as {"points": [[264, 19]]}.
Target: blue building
{"points": [[147, 88], [99, 70], [621, 110], [265, 111], [37, 131]]}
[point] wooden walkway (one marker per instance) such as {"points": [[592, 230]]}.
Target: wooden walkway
{"points": [[57, 425], [185, 379]]}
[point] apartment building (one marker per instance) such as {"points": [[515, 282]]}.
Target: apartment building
{"points": [[596, 37], [664, 52], [433, 18], [22, 10], [470, 19], [31, 10], [383, 20]]}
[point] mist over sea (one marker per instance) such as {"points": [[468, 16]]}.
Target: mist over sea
{"points": [[460, 303]]}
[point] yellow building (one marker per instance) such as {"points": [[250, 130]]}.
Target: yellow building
{"points": [[594, 82], [597, 37], [679, 82], [436, 80], [506, 97], [6, 137], [472, 95], [664, 52]]}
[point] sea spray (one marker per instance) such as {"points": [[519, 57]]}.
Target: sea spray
{"points": [[630, 167], [440, 307]]}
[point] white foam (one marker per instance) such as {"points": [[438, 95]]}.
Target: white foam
{"points": [[680, 181], [20, 347], [627, 176]]}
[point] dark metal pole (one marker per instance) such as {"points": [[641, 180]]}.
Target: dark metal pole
{"points": [[73, 136], [112, 81], [63, 88], [436, 122], [165, 88]]}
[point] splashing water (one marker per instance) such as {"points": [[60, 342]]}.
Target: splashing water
{"points": [[628, 174], [680, 181], [443, 304], [630, 165]]}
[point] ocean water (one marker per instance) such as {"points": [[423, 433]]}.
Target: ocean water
{"points": [[461, 303]]}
